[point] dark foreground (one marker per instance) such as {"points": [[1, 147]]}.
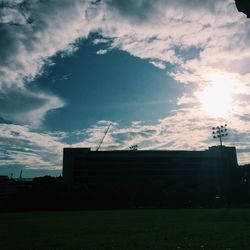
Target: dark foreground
{"points": [[214, 229]]}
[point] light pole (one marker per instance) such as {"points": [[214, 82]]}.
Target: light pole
{"points": [[220, 132]]}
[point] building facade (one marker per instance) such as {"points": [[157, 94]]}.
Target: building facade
{"points": [[141, 176], [81, 164]]}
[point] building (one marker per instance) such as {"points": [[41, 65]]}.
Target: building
{"points": [[7, 192], [11, 190], [82, 164], [119, 174]]}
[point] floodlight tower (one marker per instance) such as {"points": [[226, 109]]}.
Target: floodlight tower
{"points": [[219, 132]]}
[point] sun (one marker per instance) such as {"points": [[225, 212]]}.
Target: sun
{"points": [[217, 97]]}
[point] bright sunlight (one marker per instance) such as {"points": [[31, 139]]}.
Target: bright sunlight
{"points": [[216, 97]]}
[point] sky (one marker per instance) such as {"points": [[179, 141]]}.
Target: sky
{"points": [[163, 72]]}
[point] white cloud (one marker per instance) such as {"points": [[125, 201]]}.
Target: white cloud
{"points": [[101, 52], [23, 146], [158, 64]]}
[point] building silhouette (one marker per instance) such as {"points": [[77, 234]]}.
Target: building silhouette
{"points": [[151, 178]]}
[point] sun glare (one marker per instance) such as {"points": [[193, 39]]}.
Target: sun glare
{"points": [[216, 98]]}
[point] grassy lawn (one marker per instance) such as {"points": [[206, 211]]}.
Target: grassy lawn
{"points": [[214, 229]]}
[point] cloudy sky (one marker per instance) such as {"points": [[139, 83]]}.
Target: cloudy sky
{"points": [[164, 72]]}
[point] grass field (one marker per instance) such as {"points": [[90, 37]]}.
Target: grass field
{"points": [[213, 229]]}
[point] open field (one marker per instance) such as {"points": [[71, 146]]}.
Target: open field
{"points": [[214, 229]]}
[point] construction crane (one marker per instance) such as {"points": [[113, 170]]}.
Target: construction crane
{"points": [[104, 135]]}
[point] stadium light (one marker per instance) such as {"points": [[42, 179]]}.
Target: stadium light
{"points": [[219, 132], [133, 147]]}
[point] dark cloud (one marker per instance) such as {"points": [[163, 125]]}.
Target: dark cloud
{"points": [[243, 117], [123, 137], [138, 10], [8, 44], [16, 101], [243, 150], [142, 10], [21, 104]]}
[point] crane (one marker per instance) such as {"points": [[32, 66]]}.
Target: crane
{"points": [[104, 135]]}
